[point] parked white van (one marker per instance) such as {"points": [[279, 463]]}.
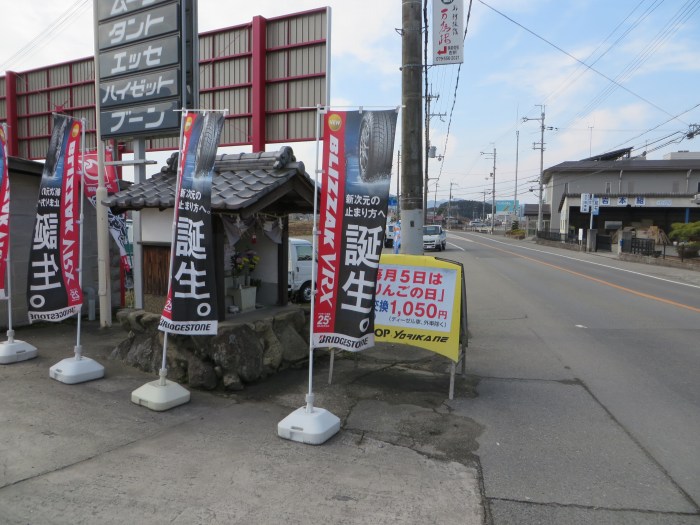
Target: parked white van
{"points": [[300, 262]]}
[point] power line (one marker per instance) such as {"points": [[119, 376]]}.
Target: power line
{"points": [[454, 98], [47, 33], [670, 28], [576, 59], [576, 75]]}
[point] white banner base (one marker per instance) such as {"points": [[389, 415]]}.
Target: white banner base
{"points": [[313, 428], [73, 370], [158, 396], [14, 351]]}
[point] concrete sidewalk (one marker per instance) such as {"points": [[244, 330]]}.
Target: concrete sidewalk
{"points": [[84, 454]]}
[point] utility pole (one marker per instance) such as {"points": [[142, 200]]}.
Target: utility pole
{"points": [[429, 152], [398, 186], [493, 190], [515, 193], [435, 201], [411, 129], [428, 98], [540, 147], [449, 204]]}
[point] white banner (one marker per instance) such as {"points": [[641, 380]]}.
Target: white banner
{"points": [[448, 28]]}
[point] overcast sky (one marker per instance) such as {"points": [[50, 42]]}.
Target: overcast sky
{"points": [[638, 87]]}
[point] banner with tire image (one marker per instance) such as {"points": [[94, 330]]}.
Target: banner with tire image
{"points": [[357, 156], [53, 286], [191, 303]]}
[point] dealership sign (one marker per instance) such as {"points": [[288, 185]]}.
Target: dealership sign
{"points": [[145, 61]]}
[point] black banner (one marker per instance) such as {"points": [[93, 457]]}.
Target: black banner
{"points": [[53, 286], [357, 155], [191, 306]]}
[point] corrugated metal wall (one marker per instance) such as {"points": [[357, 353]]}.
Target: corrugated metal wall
{"points": [[295, 82]]}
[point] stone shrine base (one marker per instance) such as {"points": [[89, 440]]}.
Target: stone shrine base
{"points": [[246, 349]]}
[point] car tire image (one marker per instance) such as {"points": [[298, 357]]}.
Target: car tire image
{"points": [[376, 145], [207, 146]]}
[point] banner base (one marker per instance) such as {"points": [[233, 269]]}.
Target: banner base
{"points": [[14, 351], [313, 428], [74, 370], [158, 397]]}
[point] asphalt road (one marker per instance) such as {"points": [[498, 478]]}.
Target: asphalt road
{"points": [[588, 375]]}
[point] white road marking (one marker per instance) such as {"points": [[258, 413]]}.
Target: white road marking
{"points": [[583, 261]]}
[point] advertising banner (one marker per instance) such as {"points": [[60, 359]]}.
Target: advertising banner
{"points": [[448, 28], [418, 303], [506, 206], [191, 304], [53, 287], [357, 153], [4, 211], [117, 223]]}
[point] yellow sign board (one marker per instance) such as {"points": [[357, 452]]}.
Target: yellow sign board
{"points": [[418, 303]]}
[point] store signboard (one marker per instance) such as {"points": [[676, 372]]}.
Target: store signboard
{"points": [[149, 23], [110, 9], [144, 59], [140, 88], [150, 118], [140, 57]]}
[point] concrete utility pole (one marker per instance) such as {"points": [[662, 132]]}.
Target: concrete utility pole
{"points": [[411, 129], [541, 181], [429, 151], [493, 189], [515, 193], [435, 202], [398, 185], [449, 205]]}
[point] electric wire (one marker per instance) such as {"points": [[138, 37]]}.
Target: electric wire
{"points": [[575, 75], [587, 66], [454, 98], [668, 30], [46, 34]]}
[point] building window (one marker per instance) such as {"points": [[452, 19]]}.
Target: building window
{"points": [[676, 187], [608, 185], [566, 188]]}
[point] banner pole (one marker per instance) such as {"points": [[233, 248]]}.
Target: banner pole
{"points": [[314, 244], [11, 350], [8, 268], [78, 369], [8, 273], [162, 394], [163, 370], [178, 181], [78, 348], [307, 424]]}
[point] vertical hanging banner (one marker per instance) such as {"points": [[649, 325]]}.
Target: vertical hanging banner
{"points": [[4, 211], [448, 27], [53, 288], [117, 223], [191, 305], [357, 153]]}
